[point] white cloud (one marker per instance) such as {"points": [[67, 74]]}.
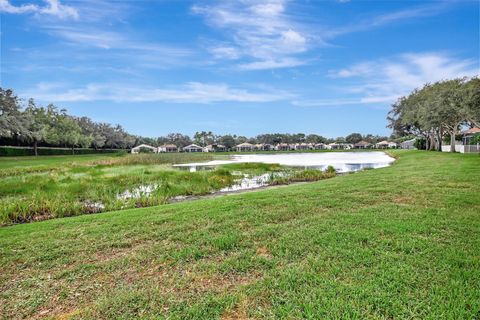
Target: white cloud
{"points": [[91, 37], [191, 92], [272, 64], [372, 22], [385, 80], [51, 7], [225, 52], [260, 32]]}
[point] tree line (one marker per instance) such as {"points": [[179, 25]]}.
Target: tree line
{"points": [[29, 124], [437, 111], [34, 125], [204, 138]]}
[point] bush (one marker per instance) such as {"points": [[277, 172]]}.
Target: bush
{"points": [[42, 151], [420, 144], [475, 139]]}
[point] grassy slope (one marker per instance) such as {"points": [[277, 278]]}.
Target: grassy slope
{"points": [[48, 161], [398, 242]]}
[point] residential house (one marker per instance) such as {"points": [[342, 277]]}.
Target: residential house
{"points": [[142, 147], [242, 147], [302, 146], [408, 144], [320, 146], [465, 146], [264, 147], [168, 148], [339, 146], [282, 147], [193, 148], [362, 145], [215, 148], [386, 145]]}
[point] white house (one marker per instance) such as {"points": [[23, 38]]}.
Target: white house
{"points": [[386, 145], [408, 144], [337, 146], [168, 148], [362, 145], [282, 147], [193, 148], [302, 146], [465, 146], [215, 148], [264, 147], [137, 149], [245, 147]]}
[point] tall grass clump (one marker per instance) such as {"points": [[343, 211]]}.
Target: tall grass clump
{"points": [[156, 158]]}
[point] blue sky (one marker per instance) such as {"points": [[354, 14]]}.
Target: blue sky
{"points": [[238, 66]]}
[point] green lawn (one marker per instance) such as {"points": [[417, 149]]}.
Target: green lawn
{"points": [[398, 242], [48, 161]]}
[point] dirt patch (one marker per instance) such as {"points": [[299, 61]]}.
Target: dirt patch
{"points": [[403, 200], [264, 253]]}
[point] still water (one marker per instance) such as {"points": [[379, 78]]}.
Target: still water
{"points": [[342, 161]]}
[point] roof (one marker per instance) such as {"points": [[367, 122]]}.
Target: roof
{"points": [[245, 144], [168, 146], [363, 143], [144, 146], [212, 146], [471, 131], [383, 142], [190, 146]]}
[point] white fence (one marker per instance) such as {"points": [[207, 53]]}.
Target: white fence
{"points": [[462, 149]]}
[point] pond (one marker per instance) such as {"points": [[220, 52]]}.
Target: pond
{"points": [[343, 162]]}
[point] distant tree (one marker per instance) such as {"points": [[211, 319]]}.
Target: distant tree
{"points": [[240, 139], [178, 139], [11, 120], [354, 138], [227, 140], [204, 138], [298, 138], [36, 124], [315, 138]]}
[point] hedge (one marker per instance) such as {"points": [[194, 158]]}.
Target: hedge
{"points": [[44, 151]]}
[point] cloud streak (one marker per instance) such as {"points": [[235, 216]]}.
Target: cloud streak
{"points": [[52, 8], [191, 92], [385, 80]]}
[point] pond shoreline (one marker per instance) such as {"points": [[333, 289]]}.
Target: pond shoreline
{"points": [[218, 194]]}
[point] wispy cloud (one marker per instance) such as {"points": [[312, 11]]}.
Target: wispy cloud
{"points": [[432, 9], [52, 8], [261, 32], [385, 80], [93, 37], [191, 92]]}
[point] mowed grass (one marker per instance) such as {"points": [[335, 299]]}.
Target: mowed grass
{"points": [[401, 242]]}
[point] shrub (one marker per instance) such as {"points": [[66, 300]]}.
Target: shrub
{"points": [[475, 139], [43, 151]]}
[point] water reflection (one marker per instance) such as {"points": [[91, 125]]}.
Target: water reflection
{"points": [[343, 162]]}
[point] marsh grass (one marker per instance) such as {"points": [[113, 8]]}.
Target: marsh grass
{"points": [[55, 189], [69, 191], [70, 186]]}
